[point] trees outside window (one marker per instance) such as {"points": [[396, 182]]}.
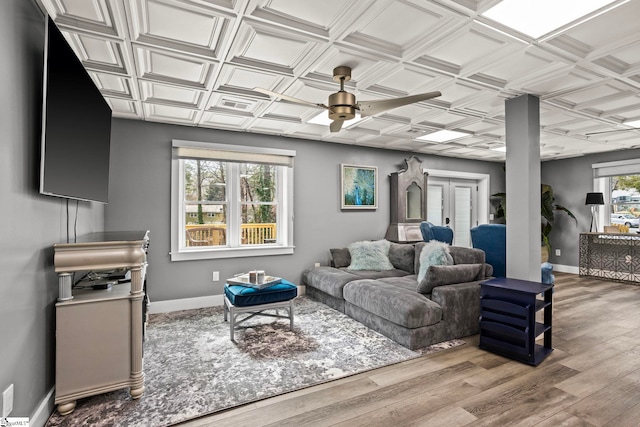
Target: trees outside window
{"points": [[231, 201]]}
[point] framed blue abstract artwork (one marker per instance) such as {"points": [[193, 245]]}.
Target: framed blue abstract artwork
{"points": [[359, 187]]}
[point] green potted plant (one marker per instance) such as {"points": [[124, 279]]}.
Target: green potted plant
{"points": [[547, 208]]}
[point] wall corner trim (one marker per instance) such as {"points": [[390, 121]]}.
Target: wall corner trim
{"points": [[44, 410]]}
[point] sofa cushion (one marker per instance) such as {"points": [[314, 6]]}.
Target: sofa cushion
{"points": [[403, 307], [439, 275], [328, 280], [405, 282], [370, 255], [340, 257], [432, 253], [243, 296], [402, 256]]}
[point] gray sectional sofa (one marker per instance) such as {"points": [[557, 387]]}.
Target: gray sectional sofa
{"points": [[388, 300]]}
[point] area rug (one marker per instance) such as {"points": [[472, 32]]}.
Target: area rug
{"points": [[193, 369]]}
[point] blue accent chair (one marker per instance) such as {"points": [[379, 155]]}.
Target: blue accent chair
{"points": [[492, 239], [547, 274], [436, 232]]}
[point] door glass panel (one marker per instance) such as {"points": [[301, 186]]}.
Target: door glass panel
{"points": [[462, 216], [434, 204], [452, 203]]}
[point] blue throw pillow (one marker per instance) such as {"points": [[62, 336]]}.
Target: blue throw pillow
{"points": [[370, 255], [433, 253]]}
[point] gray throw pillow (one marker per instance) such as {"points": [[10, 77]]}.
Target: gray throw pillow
{"points": [[370, 255], [440, 275], [402, 256], [340, 257]]}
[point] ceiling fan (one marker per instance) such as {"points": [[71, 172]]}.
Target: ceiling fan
{"points": [[342, 105]]}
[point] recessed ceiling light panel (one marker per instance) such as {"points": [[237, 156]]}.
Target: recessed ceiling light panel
{"points": [[537, 18], [443, 136]]}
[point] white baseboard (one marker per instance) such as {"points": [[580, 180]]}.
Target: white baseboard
{"points": [[566, 269], [193, 303], [44, 410], [185, 304]]}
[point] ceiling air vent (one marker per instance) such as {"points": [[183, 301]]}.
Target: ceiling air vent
{"points": [[236, 105]]}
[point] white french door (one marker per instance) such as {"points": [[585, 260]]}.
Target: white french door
{"points": [[453, 202]]}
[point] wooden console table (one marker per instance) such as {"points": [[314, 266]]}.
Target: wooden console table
{"points": [[99, 332], [610, 256]]}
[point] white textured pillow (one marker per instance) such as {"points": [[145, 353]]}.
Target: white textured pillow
{"points": [[433, 253], [369, 255]]}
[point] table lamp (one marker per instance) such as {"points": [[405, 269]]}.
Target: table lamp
{"points": [[594, 199]]}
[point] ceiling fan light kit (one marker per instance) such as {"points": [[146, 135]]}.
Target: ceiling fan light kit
{"points": [[342, 104]]}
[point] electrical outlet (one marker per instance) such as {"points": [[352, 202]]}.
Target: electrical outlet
{"points": [[7, 401], [317, 264], [557, 252], [216, 276]]}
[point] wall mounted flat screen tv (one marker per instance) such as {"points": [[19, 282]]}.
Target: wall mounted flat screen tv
{"points": [[76, 126]]}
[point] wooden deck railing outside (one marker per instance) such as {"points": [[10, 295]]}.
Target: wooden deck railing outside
{"points": [[216, 234]]}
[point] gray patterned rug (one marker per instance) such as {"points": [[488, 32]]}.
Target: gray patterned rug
{"points": [[193, 369]]}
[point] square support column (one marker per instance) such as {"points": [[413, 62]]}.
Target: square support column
{"points": [[523, 188]]}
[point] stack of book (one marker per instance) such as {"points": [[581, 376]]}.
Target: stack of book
{"points": [[251, 281]]}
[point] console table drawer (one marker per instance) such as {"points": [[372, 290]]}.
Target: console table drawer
{"points": [[505, 312], [504, 332]]}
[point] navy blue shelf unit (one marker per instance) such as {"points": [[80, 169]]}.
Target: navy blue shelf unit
{"points": [[508, 323]]}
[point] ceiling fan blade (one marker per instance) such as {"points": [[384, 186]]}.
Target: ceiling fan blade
{"points": [[611, 131], [288, 98], [336, 125], [370, 108]]}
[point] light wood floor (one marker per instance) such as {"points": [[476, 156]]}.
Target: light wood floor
{"points": [[592, 378]]}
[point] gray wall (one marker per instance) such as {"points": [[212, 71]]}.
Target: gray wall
{"points": [[141, 180], [571, 180], [31, 223]]}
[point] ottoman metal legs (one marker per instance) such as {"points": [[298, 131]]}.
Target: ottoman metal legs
{"points": [[231, 312]]}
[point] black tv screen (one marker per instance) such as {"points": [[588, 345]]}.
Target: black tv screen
{"points": [[76, 128]]}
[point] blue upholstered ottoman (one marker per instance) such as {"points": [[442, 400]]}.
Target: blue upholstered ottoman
{"points": [[243, 299]]}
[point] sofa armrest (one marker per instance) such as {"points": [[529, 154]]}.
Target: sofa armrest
{"points": [[441, 275], [488, 270], [460, 306]]}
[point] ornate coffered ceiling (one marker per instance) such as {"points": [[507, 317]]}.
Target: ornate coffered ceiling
{"points": [[195, 62]]}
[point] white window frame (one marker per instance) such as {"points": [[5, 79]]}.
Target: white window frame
{"points": [[284, 241], [602, 173]]}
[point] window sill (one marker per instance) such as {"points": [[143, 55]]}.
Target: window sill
{"points": [[208, 253]]}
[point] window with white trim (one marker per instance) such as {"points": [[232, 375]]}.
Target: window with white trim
{"points": [[618, 181], [230, 201]]}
